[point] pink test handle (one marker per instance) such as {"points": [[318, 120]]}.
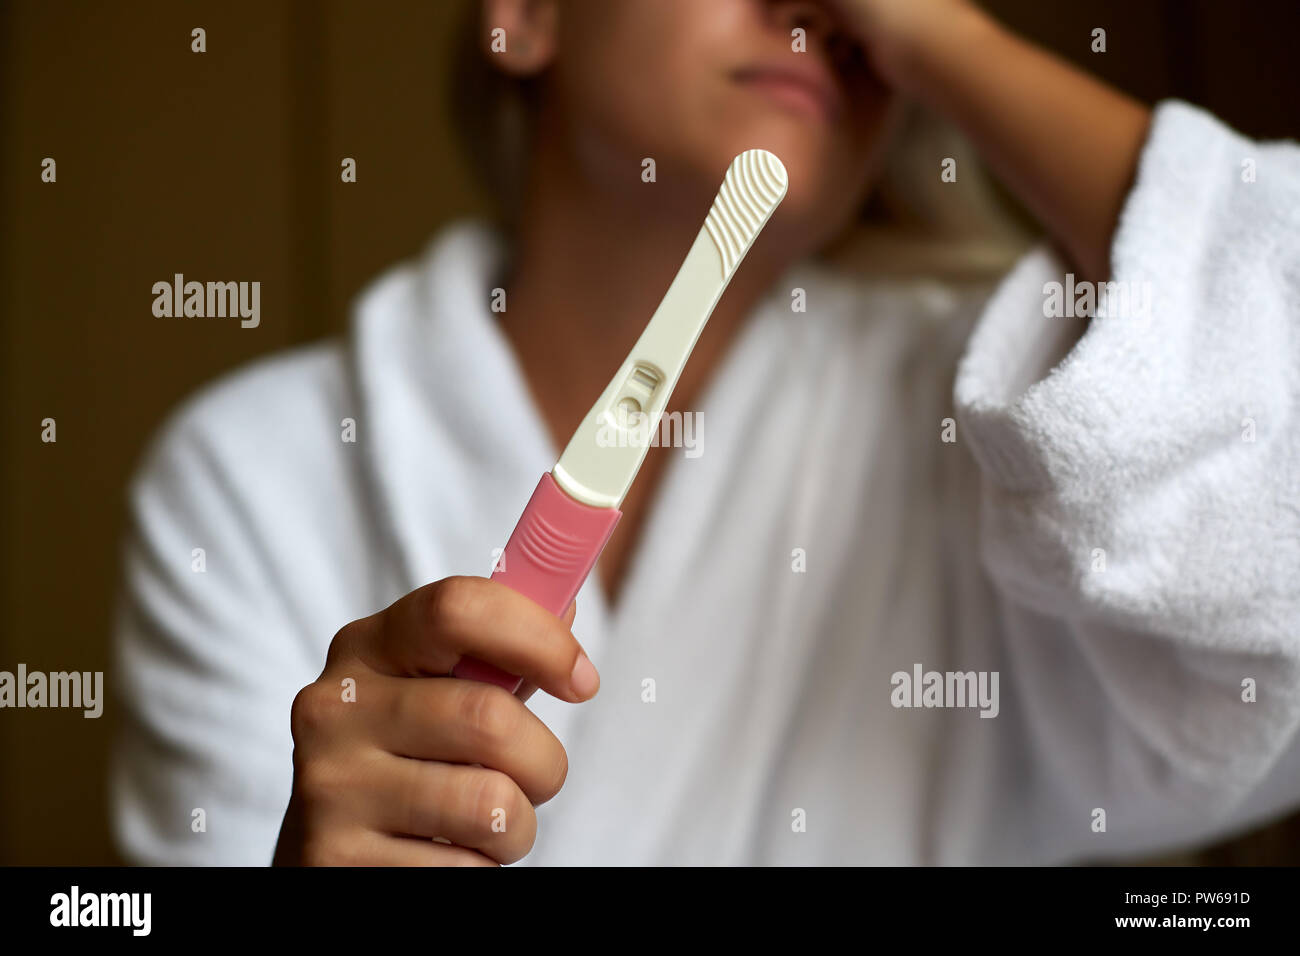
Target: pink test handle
{"points": [[550, 553]]}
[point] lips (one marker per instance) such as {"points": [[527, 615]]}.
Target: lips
{"points": [[803, 90]]}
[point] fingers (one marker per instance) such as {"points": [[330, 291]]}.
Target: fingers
{"points": [[445, 719], [471, 807], [462, 721], [397, 763], [382, 849], [345, 778], [429, 630], [527, 689], [370, 848]]}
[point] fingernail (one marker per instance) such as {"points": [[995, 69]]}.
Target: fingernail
{"points": [[584, 680]]}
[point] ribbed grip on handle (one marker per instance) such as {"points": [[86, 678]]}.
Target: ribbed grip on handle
{"points": [[754, 186], [550, 553]]}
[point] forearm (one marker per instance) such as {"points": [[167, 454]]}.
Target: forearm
{"points": [[1066, 144]]}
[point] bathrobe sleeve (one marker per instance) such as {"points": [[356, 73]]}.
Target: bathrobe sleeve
{"points": [[1140, 470]]}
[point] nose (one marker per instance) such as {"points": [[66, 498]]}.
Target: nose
{"points": [[810, 15]]}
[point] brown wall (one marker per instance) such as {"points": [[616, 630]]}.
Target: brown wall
{"points": [[225, 165]]}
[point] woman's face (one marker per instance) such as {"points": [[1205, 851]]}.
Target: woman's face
{"points": [[691, 83]]}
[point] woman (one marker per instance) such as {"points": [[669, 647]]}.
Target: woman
{"points": [[1094, 531]]}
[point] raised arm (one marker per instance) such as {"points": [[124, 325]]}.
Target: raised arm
{"points": [[1064, 142]]}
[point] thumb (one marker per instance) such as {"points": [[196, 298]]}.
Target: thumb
{"points": [[527, 688]]}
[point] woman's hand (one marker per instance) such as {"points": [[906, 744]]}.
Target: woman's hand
{"points": [[1065, 143], [390, 755], [895, 32]]}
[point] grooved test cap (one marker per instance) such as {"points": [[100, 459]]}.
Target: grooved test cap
{"points": [[754, 186], [606, 451]]}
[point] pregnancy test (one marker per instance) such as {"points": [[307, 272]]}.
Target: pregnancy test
{"points": [[575, 506]]}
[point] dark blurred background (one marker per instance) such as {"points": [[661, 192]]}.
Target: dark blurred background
{"points": [[225, 165]]}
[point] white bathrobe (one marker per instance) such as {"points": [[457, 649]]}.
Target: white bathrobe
{"points": [[1109, 523]]}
